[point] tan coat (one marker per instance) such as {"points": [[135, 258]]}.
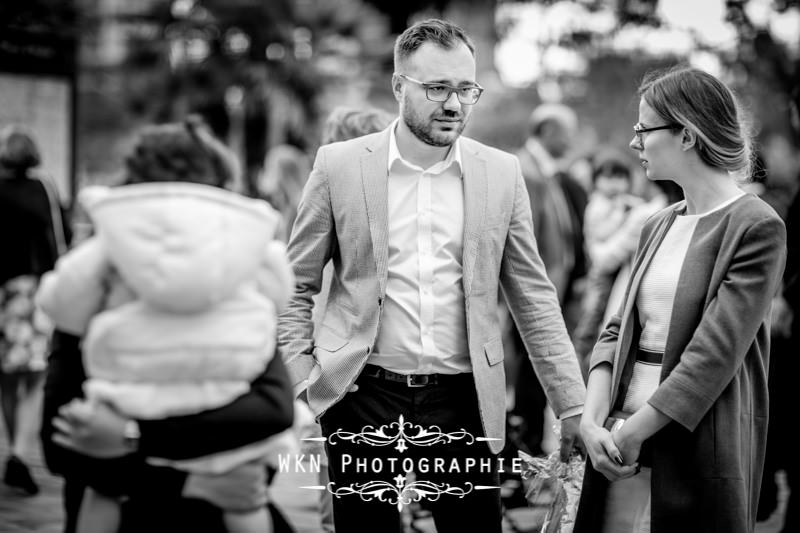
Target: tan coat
{"points": [[707, 463]]}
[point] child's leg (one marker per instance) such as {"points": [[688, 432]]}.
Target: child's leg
{"points": [[257, 521], [98, 514]]}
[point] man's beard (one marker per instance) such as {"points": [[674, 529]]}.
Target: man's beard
{"points": [[422, 127]]}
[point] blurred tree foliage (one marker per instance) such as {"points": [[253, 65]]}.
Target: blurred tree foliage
{"points": [[256, 70], [264, 72], [756, 60]]}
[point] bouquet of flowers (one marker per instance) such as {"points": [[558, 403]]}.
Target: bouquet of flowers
{"points": [[556, 484]]}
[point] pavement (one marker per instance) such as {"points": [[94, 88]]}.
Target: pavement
{"points": [[43, 513]]}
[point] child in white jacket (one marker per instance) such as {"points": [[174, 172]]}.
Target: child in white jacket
{"points": [[176, 296]]}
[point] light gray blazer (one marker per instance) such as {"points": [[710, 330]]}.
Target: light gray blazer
{"points": [[343, 218]]}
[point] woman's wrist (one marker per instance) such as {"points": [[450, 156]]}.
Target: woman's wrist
{"points": [[589, 420], [628, 433], [643, 424], [598, 401]]}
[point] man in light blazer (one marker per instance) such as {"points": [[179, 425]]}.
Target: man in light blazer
{"points": [[406, 372]]}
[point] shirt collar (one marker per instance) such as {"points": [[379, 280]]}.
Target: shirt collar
{"points": [[453, 156]]}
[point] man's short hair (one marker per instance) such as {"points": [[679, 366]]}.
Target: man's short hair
{"points": [[437, 31], [558, 113]]}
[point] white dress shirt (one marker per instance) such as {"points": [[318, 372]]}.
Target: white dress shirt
{"points": [[423, 326]]}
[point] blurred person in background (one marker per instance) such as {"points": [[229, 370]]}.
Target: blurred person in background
{"points": [[772, 181], [610, 201], [31, 238], [780, 452], [789, 364], [677, 401], [176, 296], [781, 180], [98, 443], [345, 123], [281, 182], [557, 202], [390, 209], [609, 205]]}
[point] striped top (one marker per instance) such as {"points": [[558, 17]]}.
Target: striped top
{"points": [[659, 283]]}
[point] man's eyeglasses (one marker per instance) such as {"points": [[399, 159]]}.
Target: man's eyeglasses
{"points": [[440, 92], [639, 129]]}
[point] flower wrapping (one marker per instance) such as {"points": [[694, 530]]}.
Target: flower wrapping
{"points": [[556, 485]]}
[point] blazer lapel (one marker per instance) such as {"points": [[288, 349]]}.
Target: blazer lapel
{"points": [[476, 190], [374, 180], [625, 336]]}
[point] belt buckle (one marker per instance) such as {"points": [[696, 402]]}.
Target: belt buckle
{"points": [[411, 380]]}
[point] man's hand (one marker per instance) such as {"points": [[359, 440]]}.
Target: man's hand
{"points": [[91, 428], [242, 489], [571, 437], [301, 389]]}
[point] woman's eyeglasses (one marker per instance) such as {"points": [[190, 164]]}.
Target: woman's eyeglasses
{"points": [[639, 129]]}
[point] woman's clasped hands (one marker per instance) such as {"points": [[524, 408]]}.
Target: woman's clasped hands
{"points": [[613, 453]]}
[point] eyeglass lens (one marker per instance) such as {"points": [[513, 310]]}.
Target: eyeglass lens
{"points": [[465, 95]]}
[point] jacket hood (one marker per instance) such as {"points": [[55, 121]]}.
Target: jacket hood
{"points": [[181, 247]]}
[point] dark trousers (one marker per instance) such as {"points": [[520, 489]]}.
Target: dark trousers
{"points": [[449, 407]]}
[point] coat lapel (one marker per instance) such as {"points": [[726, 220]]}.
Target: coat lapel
{"points": [[476, 185], [374, 180], [628, 315]]}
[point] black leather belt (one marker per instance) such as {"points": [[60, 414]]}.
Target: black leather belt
{"points": [[411, 380], [646, 356]]}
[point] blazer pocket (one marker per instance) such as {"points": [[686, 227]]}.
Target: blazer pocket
{"points": [[329, 341], [494, 351]]}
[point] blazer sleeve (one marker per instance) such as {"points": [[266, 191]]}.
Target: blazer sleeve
{"points": [[533, 304], [311, 245], [728, 326], [606, 345]]}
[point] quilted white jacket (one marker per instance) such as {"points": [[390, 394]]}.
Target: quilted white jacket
{"points": [[176, 294]]}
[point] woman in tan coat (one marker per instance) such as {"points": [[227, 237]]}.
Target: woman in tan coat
{"points": [[675, 420]]}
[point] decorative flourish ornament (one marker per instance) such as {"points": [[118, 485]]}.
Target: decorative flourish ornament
{"points": [[402, 433], [401, 494]]}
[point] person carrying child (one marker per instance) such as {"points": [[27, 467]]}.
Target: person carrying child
{"points": [[176, 298]]}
